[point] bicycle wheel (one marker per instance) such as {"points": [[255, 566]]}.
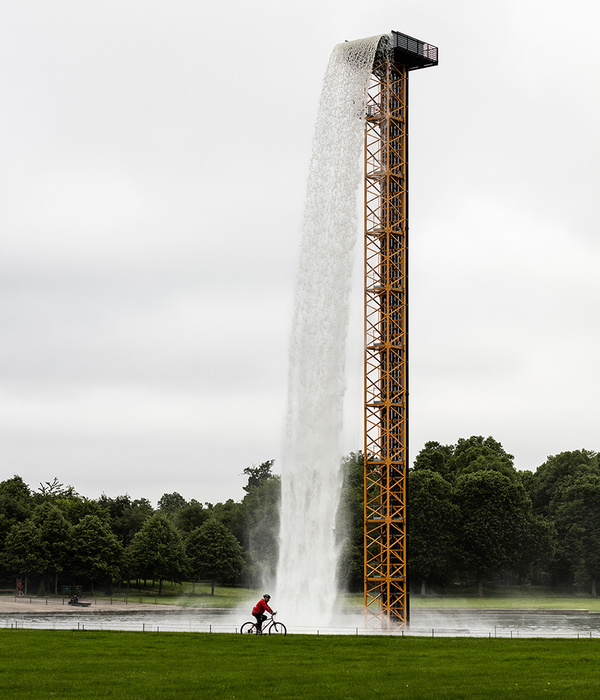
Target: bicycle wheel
{"points": [[278, 628], [248, 628]]}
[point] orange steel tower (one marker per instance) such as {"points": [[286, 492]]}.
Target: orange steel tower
{"points": [[386, 327]]}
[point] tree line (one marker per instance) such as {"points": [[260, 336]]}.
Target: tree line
{"points": [[473, 519], [54, 537]]}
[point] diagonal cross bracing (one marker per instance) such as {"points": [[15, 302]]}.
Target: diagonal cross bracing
{"points": [[386, 372]]}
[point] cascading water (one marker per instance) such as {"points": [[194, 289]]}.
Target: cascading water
{"points": [[311, 477]]}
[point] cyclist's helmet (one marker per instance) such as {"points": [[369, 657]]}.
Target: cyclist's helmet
{"points": [[267, 596]]}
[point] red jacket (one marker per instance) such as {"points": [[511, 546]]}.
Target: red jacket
{"points": [[260, 607]]}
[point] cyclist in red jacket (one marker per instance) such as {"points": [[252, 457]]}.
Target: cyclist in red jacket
{"points": [[258, 611]]}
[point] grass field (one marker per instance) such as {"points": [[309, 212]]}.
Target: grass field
{"points": [[60, 664], [534, 601], [503, 603], [232, 597]]}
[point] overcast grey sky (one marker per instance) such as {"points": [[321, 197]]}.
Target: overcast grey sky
{"points": [[153, 165]]}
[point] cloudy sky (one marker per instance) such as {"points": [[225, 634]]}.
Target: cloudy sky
{"points": [[152, 176]]}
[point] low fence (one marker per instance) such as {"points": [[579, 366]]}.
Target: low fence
{"points": [[135, 623]]}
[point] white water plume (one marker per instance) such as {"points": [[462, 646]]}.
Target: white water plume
{"points": [[311, 478]]}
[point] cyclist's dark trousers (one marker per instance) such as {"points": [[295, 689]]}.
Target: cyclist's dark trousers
{"points": [[260, 618]]}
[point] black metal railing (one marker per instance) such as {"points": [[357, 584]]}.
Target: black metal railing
{"points": [[416, 47]]}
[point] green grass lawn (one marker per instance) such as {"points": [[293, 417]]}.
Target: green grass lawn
{"points": [[61, 664], [535, 600], [503, 603]]}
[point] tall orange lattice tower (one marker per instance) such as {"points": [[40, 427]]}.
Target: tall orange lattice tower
{"points": [[386, 328]]}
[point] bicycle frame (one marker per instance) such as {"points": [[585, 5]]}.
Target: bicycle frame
{"points": [[268, 625]]}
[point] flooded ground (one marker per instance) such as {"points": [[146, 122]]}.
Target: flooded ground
{"points": [[438, 623], [506, 623]]}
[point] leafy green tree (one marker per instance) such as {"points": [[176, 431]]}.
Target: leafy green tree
{"points": [[578, 525], [214, 553], [157, 552], [258, 475], [436, 458], [350, 523], [255, 523], [15, 499], [467, 456], [126, 516], [97, 553], [75, 508], [537, 551], [258, 530], [493, 523], [170, 503], [477, 454], [132, 519], [548, 486], [432, 525], [527, 477], [191, 516], [230, 514], [24, 553], [55, 534], [5, 526], [115, 507], [556, 474], [54, 489]]}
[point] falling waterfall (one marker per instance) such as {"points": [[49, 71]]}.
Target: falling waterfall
{"points": [[311, 475]]}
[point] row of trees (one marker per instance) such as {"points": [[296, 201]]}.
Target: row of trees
{"points": [[473, 518], [56, 537]]}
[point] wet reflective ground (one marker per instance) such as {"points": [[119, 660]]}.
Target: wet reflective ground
{"points": [[442, 623], [506, 623]]}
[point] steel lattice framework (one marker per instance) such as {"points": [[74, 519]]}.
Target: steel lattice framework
{"points": [[386, 330]]}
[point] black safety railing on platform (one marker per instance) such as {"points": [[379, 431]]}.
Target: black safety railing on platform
{"points": [[415, 46]]}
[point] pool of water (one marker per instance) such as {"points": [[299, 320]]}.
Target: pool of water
{"points": [[145, 621], [506, 623], [437, 623]]}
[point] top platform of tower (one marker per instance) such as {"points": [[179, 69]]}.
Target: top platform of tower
{"points": [[413, 53]]}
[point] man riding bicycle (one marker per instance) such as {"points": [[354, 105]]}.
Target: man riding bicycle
{"points": [[258, 611]]}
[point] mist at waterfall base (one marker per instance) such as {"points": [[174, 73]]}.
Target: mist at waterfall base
{"points": [[307, 587]]}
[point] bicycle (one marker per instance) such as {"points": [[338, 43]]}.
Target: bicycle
{"points": [[269, 625]]}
